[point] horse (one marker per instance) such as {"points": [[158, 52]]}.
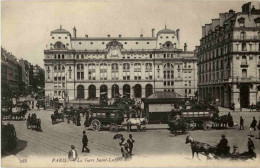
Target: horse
{"points": [[53, 119], [200, 147], [134, 122]]}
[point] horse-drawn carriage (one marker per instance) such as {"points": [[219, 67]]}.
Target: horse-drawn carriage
{"points": [[19, 112], [111, 117], [188, 119], [57, 115], [34, 123], [217, 153]]}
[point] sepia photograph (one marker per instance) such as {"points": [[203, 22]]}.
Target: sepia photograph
{"points": [[149, 83]]}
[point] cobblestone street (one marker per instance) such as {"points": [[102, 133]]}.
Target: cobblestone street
{"points": [[55, 140]]}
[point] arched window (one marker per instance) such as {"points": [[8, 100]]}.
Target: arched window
{"points": [[59, 45], [80, 92], [148, 90]]}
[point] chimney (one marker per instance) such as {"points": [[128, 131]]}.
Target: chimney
{"points": [[74, 32], [119, 35], [86, 36], [185, 47], [108, 35], [152, 32], [178, 34]]}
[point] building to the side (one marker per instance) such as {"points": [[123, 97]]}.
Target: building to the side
{"points": [[85, 67], [229, 58], [11, 75]]}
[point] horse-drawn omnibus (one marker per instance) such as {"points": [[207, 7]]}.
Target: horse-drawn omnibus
{"points": [[187, 119], [111, 117]]}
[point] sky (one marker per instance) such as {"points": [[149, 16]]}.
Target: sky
{"points": [[26, 25]]}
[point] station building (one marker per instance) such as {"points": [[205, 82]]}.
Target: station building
{"points": [[229, 58], [86, 67]]}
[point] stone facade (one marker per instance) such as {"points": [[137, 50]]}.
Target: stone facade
{"points": [[229, 58], [85, 67]]}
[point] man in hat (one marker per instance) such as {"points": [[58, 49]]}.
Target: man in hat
{"points": [[72, 154], [250, 145], [130, 141], [85, 142], [253, 126], [222, 147]]}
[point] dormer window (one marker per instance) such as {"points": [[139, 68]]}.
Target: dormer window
{"points": [[136, 42], [66, 37], [79, 43], [147, 42], [103, 42], [257, 22], [53, 38], [59, 37], [241, 22], [91, 43], [167, 37], [161, 37]]}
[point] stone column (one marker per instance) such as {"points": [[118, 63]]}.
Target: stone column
{"points": [[235, 97], [252, 95], [226, 99]]}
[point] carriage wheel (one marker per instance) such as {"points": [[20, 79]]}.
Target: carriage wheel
{"points": [[113, 127], [191, 125], [207, 125], [96, 125]]}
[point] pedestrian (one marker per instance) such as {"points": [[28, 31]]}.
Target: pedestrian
{"points": [[72, 154], [38, 107], [124, 148], [32, 104], [253, 126], [250, 145], [241, 123], [130, 141], [85, 143], [251, 107]]}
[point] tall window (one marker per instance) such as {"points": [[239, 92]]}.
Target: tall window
{"points": [[80, 71], [244, 73], [137, 71], [103, 71], [148, 71], [243, 35], [126, 71], [243, 46], [114, 71], [168, 74], [243, 61], [91, 71], [59, 76]]}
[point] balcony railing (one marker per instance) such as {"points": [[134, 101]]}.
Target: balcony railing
{"points": [[246, 38]]}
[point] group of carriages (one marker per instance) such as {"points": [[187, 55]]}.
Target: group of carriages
{"points": [[13, 112], [198, 116], [124, 112]]}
